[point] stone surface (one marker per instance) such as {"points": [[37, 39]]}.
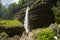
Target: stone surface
{"points": [[30, 36]]}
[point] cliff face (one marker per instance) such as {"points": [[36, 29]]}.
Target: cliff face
{"points": [[40, 14]]}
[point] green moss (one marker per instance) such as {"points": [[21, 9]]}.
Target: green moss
{"points": [[10, 23], [46, 34]]}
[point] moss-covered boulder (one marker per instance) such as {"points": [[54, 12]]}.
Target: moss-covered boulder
{"points": [[11, 27], [10, 23]]}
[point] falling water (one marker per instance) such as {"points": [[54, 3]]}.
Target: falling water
{"points": [[26, 20]]}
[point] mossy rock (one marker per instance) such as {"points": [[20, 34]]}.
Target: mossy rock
{"points": [[10, 23]]}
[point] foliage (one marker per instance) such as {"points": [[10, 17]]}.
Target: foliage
{"points": [[56, 10], [56, 14], [58, 36], [10, 23], [4, 13], [46, 34], [0, 5], [20, 2], [3, 34]]}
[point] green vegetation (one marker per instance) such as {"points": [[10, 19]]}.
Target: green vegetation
{"points": [[10, 23], [46, 34], [59, 36], [56, 10], [8, 13], [3, 34]]}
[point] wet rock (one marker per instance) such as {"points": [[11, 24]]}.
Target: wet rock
{"points": [[52, 26], [30, 36]]}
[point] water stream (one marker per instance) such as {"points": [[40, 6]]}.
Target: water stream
{"points": [[26, 25]]}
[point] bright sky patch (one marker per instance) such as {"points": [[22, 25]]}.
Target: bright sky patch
{"points": [[8, 2]]}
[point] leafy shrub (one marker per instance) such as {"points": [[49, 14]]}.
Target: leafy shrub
{"points": [[58, 36], [56, 14], [3, 36], [46, 34], [56, 10]]}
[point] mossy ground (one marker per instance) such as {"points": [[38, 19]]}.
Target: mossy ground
{"points": [[10, 23]]}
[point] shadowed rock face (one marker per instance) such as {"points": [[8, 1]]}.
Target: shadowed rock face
{"points": [[12, 31], [42, 15]]}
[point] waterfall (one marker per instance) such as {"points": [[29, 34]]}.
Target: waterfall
{"points": [[26, 25]]}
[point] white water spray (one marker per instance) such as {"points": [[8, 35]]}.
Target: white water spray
{"points": [[26, 25]]}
